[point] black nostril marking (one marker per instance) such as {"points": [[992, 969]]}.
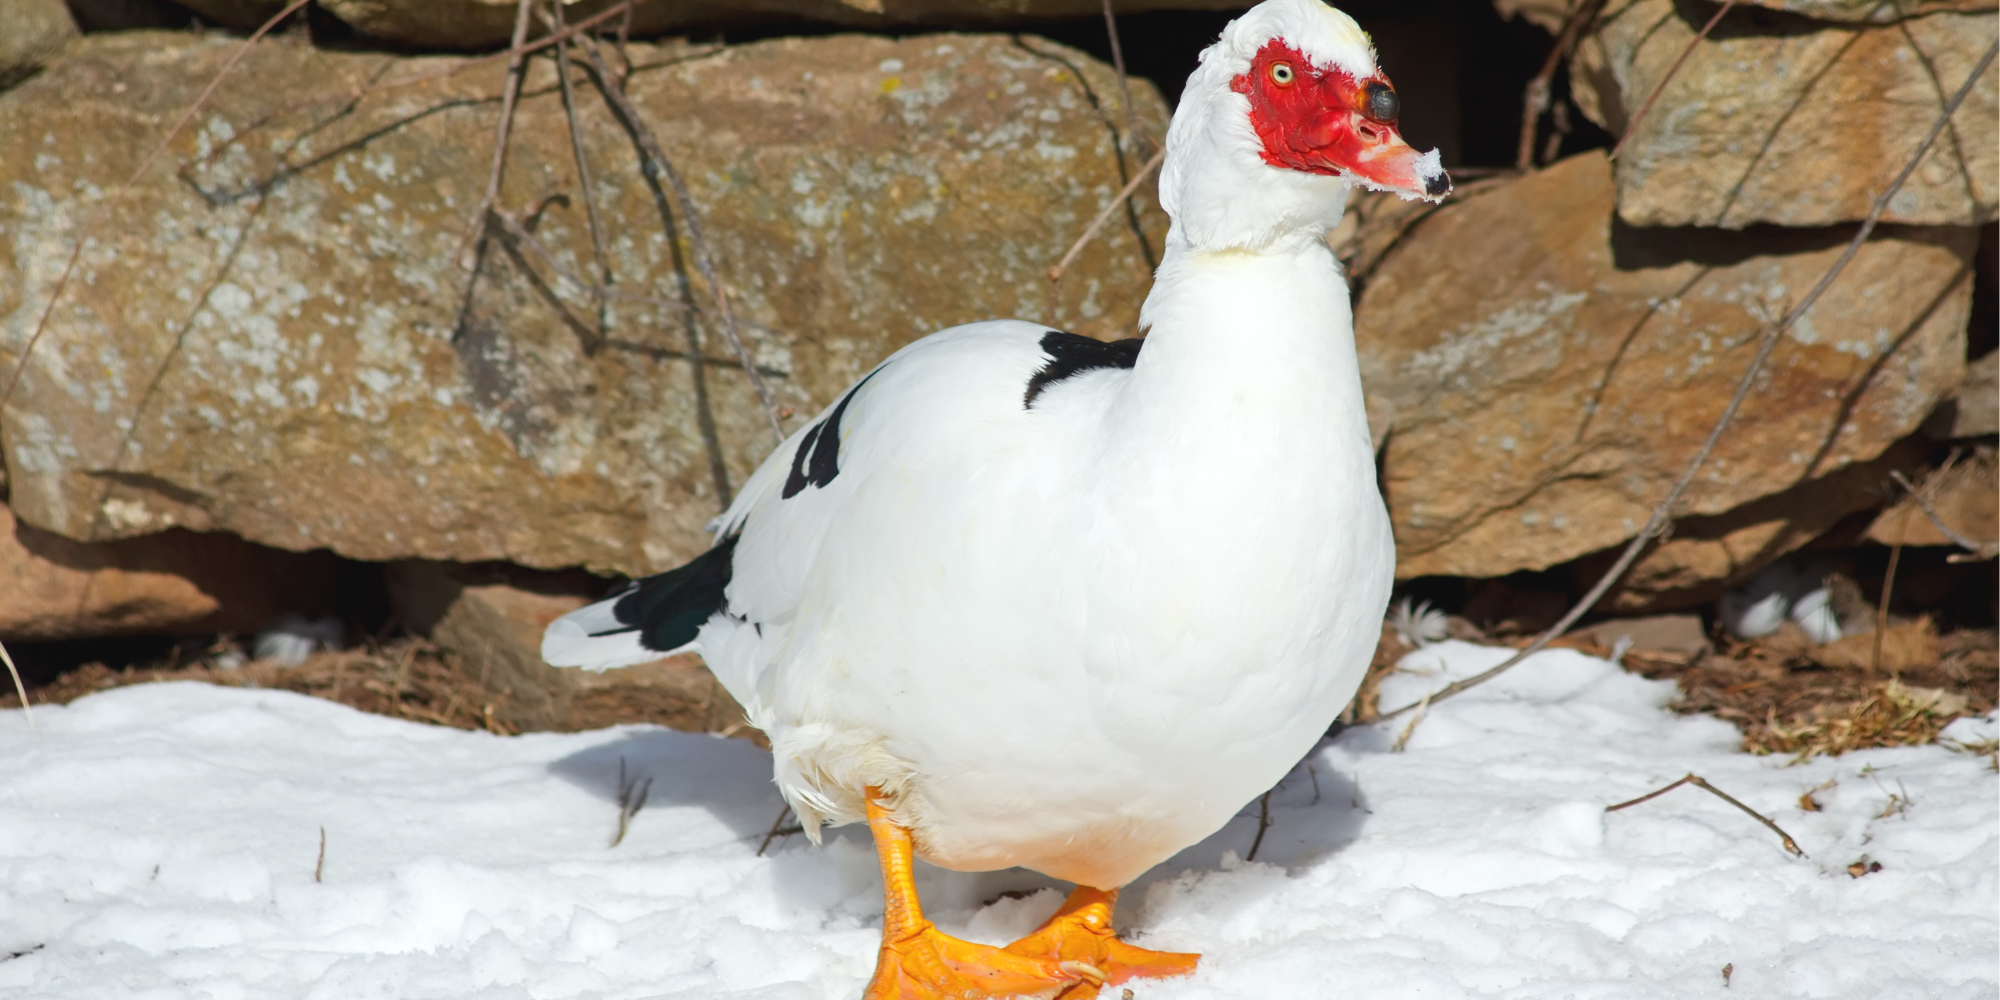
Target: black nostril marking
{"points": [[1438, 185], [1381, 103]]}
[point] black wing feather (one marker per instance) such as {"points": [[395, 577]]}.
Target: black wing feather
{"points": [[817, 461], [1070, 355], [669, 608]]}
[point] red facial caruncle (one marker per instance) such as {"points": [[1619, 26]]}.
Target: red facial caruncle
{"points": [[1324, 121]]}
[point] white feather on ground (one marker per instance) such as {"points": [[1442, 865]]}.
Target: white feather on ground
{"points": [[160, 841], [1794, 588], [1417, 624], [295, 637]]}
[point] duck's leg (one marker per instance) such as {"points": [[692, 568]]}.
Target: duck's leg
{"points": [[1081, 931], [919, 962]]}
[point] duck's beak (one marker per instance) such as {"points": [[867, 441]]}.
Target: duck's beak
{"points": [[1377, 156]]}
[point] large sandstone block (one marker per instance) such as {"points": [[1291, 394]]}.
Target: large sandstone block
{"points": [[495, 628], [1965, 496], [1542, 374], [32, 33], [53, 588], [1707, 554], [1870, 11], [267, 339], [1779, 119], [473, 24], [1974, 410], [1551, 14]]}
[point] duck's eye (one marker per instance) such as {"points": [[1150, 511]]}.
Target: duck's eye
{"points": [[1380, 103], [1281, 74]]}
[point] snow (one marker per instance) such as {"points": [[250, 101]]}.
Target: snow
{"points": [[160, 841]]}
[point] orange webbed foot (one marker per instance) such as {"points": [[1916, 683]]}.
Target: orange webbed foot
{"points": [[924, 963], [920, 962], [1081, 932]]}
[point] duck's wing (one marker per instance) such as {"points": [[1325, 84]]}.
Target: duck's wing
{"points": [[921, 409], [661, 615]]}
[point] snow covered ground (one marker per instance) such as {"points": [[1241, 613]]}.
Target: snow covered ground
{"points": [[160, 841]]}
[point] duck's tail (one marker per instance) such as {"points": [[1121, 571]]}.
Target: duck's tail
{"points": [[651, 618]]}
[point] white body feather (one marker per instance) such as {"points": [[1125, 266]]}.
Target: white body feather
{"points": [[1076, 637]]}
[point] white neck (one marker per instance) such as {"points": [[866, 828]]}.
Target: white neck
{"points": [[1249, 368], [1235, 460]]}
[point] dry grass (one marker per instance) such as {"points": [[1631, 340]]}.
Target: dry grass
{"points": [[1889, 714], [409, 678], [1792, 698]]}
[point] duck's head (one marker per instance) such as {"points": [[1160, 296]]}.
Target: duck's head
{"points": [[1286, 112]]}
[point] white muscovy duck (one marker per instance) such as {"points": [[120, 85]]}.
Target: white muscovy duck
{"points": [[1020, 597]]}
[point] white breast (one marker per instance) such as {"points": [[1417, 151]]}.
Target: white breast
{"points": [[1079, 637]]}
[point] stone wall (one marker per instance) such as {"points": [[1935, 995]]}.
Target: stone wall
{"points": [[291, 346]]}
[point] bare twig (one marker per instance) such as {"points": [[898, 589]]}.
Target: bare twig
{"points": [[1263, 823], [1124, 85], [487, 719], [319, 866], [350, 95], [1535, 97], [583, 180], [597, 293], [19, 688], [1899, 801], [403, 678], [624, 39], [1633, 125], [118, 197], [1090, 232], [510, 53], [660, 168], [1888, 588], [1559, 127], [516, 64], [1982, 550], [1656, 524], [1423, 707], [779, 829], [631, 798], [1699, 782]]}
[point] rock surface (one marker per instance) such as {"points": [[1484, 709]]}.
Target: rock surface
{"points": [[494, 626], [32, 33], [1550, 14], [1870, 11], [268, 342], [1777, 119], [1708, 554], [1903, 646], [1543, 373], [53, 588], [1680, 636], [1964, 495], [476, 24], [1545, 14], [1974, 410]]}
